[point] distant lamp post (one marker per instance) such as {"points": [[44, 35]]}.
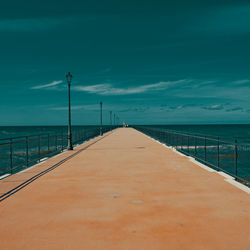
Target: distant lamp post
{"points": [[70, 147], [101, 118]]}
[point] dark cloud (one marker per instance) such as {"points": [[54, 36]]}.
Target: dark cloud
{"points": [[234, 109], [136, 109]]}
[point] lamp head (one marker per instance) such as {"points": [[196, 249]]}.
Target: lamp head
{"points": [[69, 78]]}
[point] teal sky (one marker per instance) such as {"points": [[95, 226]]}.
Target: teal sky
{"points": [[150, 62]]}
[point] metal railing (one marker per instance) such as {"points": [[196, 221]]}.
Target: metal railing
{"points": [[231, 157], [18, 153]]}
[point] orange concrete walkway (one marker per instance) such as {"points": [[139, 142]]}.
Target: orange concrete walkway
{"points": [[124, 192]]}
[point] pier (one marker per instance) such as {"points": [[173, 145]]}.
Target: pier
{"points": [[123, 190]]}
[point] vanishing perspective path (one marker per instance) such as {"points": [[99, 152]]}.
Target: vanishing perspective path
{"points": [[125, 191]]}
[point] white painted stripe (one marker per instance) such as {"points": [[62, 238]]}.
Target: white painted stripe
{"points": [[227, 176], [239, 185], [44, 159], [179, 153], [201, 165], [4, 176]]}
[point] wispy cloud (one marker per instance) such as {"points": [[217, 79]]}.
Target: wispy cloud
{"points": [[108, 89], [107, 70], [235, 109], [194, 106], [49, 85], [31, 24], [214, 107], [242, 81], [93, 107], [134, 109]]}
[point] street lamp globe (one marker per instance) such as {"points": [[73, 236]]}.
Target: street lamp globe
{"points": [[69, 78]]}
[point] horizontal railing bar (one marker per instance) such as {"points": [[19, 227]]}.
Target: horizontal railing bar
{"points": [[46, 134], [197, 135]]}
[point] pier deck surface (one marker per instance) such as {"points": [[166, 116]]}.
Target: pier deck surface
{"points": [[125, 192]]}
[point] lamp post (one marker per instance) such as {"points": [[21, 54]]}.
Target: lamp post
{"points": [[110, 112], [101, 118], [70, 147]]}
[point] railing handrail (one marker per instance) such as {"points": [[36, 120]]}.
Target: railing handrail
{"points": [[50, 133], [24, 136], [200, 136]]}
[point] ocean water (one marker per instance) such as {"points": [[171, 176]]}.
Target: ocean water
{"points": [[241, 131]]}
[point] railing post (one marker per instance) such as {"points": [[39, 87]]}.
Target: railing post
{"points": [[39, 148], [188, 143], [205, 149], [56, 142], [195, 146], [236, 157], [218, 152], [27, 151], [62, 142], [48, 143], [11, 156]]}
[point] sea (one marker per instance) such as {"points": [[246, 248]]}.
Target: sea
{"points": [[241, 131]]}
